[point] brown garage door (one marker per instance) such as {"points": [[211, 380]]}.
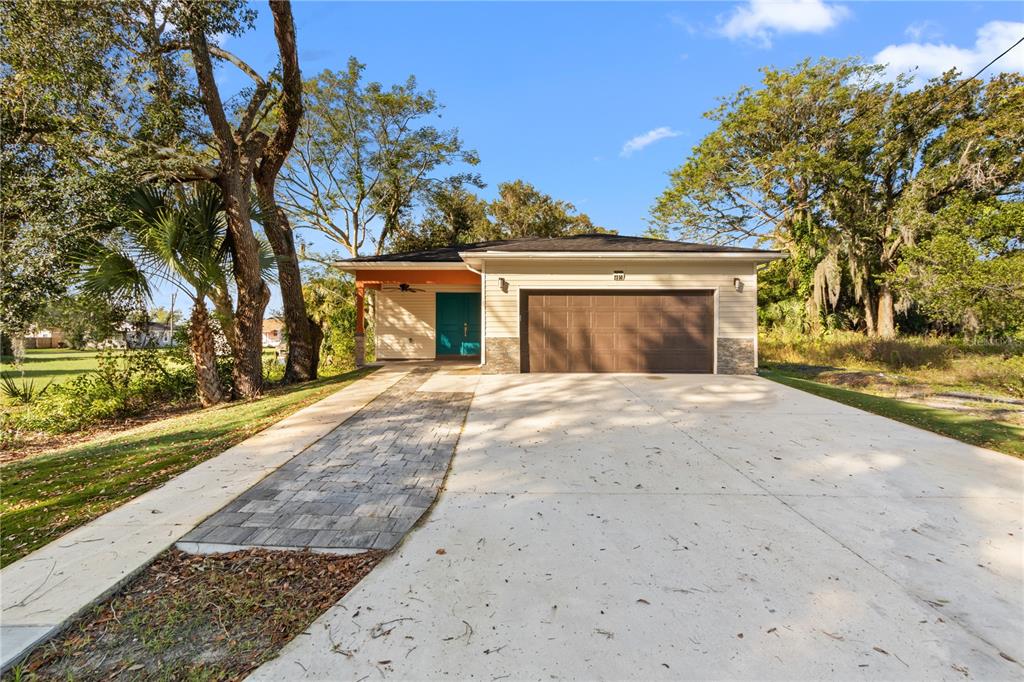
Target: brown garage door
{"points": [[624, 331]]}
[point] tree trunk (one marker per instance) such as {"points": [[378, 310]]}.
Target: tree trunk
{"points": [[253, 293], [201, 346], [869, 314], [235, 181], [301, 365], [886, 312], [302, 346]]}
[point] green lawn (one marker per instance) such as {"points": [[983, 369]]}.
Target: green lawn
{"points": [[57, 364], [49, 495], [982, 432]]}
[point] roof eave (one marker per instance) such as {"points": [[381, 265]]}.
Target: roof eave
{"points": [[641, 255], [349, 266]]}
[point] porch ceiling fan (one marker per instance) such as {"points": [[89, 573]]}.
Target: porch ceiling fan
{"points": [[408, 288]]}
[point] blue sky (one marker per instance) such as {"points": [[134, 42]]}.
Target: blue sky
{"points": [[554, 93]]}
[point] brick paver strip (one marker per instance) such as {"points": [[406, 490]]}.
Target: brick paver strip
{"points": [[361, 486]]}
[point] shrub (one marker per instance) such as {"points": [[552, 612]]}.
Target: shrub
{"points": [[21, 392], [125, 384]]}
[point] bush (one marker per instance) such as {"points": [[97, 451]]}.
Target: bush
{"points": [[125, 384]]}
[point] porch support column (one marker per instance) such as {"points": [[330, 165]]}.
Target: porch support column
{"points": [[360, 350]]}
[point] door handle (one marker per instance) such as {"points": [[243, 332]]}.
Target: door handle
{"points": [[465, 328]]}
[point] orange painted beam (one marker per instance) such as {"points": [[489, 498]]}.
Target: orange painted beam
{"points": [[367, 277]]}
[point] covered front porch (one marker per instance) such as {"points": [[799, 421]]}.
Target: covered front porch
{"points": [[420, 313]]}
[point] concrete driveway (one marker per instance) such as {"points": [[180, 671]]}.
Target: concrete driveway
{"points": [[665, 527]]}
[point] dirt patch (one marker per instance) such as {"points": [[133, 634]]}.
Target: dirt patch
{"points": [[214, 617]]}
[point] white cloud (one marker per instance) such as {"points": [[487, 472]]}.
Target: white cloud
{"points": [[639, 142], [924, 30], [933, 59], [760, 20]]}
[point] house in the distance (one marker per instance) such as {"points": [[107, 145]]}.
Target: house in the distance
{"points": [[132, 335], [588, 303], [49, 337], [273, 332]]}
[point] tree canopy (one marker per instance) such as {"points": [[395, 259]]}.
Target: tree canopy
{"points": [[847, 172], [365, 155], [454, 215]]}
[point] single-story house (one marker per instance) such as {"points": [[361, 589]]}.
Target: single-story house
{"points": [[273, 332], [133, 335], [587, 303]]}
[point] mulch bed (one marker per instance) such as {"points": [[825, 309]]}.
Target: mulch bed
{"points": [[214, 617]]}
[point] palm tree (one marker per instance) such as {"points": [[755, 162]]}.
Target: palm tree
{"points": [[178, 237]]}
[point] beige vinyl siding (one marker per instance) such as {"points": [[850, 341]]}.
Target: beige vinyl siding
{"points": [[736, 309], [405, 320]]}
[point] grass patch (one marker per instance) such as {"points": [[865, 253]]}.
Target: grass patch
{"points": [[51, 494], [43, 365], [199, 617], [982, 432]]}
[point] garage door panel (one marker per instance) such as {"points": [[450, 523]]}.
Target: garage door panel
{"points": [[550, 302], [662, 361], [556, 340], [599, 331], [579, 320], [603, 340], [582, 340], [599, 361], [627, 343], [627, 318], [651, 319], [649, 303]]}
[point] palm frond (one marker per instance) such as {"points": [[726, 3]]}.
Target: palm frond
{"points": [[268, 262], [106, 269]]}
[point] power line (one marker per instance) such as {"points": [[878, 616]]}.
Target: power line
{"points": [[978, 73], [945, 99]]}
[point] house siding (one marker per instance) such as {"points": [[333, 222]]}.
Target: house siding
{"points": [[405, 320]]}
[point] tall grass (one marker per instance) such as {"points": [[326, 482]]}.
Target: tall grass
{"points": [[947, 362]]}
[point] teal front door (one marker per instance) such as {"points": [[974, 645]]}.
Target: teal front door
{"points": [[458, 324]]}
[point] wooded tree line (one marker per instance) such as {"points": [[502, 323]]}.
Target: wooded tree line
{"points": [[899, 206]]}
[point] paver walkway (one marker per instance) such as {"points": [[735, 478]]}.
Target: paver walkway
{"points": [[361, 486]]}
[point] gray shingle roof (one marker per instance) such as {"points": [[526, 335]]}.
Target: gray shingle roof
{"points": [[576, 244]]}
